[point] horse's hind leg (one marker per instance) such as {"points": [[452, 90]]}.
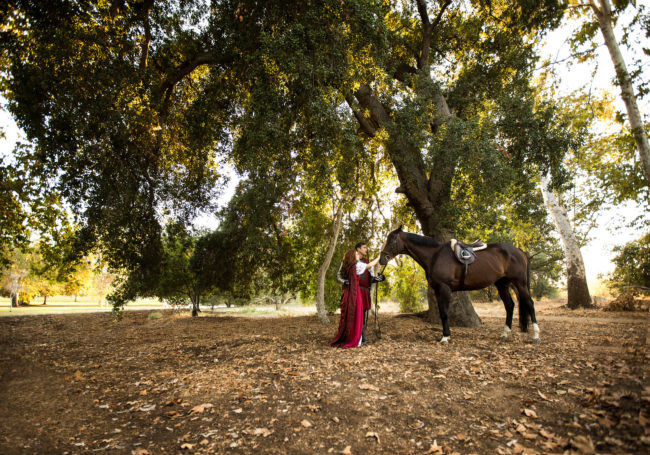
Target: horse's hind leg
{"points": [[504, 293], [529, 306]]}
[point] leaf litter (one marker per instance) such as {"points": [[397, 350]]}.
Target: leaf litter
{"points": [[81, 383]]}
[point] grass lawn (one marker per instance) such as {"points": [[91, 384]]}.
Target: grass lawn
{"points": [[83, 304], [67, 304]]}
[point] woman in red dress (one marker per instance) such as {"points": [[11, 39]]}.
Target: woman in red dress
{"points": [[351, 322]]}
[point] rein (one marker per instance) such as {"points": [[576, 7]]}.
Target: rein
{"points": [[377, 327]]}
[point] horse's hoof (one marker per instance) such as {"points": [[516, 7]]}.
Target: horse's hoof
{"points": [[537, 341], [444, 340], [504, 338]]}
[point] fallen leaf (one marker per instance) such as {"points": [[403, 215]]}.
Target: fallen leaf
{"points": [[368, 387], [347, 450], [530, 413], [187, 446], [546, 434], [583, 445], [200, 408], [372, 434], [435, 448], [78, 376], [306, 423], [604, 421], [262, 431], [140, 451], [417, 425]]}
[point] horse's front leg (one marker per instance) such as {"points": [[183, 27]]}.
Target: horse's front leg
{"points": [[443, 296]]}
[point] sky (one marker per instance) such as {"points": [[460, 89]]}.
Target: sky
{"points": [[611, 229]]}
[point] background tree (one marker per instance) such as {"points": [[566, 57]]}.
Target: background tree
{"points": [[632, 265], [14, 277], [182, 276], [44, 278], [78, 279], [599, 15]]}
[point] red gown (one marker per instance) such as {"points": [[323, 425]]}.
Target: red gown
{"points": [[351, 322]]}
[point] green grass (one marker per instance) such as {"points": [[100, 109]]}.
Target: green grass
{"points": [[83, 304], [66, 304]]}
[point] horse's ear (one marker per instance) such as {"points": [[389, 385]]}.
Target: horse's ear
{"points": [[396, 227]]}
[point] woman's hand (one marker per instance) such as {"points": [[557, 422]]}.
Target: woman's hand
{"points": [[373, 263]]}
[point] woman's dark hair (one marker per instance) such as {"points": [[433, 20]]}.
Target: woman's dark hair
{"points": [[349, 258]]}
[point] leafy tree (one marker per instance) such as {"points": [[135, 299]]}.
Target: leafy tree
{"points": [[44, 279], [138, 101], [182, 276], [78, 279], [632, 265], [13, 230], [599, 15], [102, 279], [15, 277]]}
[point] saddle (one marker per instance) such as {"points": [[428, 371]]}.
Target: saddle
{"points": [[464, 252]]}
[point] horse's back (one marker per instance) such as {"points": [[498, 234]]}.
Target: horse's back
{"points": [[498, 260]]}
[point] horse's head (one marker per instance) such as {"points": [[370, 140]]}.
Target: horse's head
{"points": [[393, 245]]}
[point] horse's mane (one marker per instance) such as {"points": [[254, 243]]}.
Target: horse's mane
{"points": [[421, 240]]}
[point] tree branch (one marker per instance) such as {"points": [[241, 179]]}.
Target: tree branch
{"points": [[364, 123], [181, 71], [144, 54], [425, 49], [438, 18], [427, 30]]}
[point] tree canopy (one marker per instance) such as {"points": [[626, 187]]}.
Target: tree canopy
{"points": [[132, 108]]}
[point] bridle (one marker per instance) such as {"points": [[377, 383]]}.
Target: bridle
{"points": [[389, 257]]}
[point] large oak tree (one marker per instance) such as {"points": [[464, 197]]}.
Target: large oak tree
{"points": [[131, 104]]}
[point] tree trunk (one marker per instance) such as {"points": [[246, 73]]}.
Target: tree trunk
{"points": [[322, 271], [44, 300], [427, 195], [195, 306], [577, 289], [14, 300], [604, 15]]}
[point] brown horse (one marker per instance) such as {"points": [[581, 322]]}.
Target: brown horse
{"points": [[500, 264]]}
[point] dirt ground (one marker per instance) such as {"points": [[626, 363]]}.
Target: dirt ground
{"points": [[82, 383]]}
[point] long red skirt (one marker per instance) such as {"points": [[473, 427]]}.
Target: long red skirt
{"points": [[351, 322]]}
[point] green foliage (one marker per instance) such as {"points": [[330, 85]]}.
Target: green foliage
{"points": [[544, 288], [133, 109], [632, 265], [408, 286]]}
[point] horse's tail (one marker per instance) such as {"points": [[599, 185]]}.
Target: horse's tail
{"points": [[524, 305]]}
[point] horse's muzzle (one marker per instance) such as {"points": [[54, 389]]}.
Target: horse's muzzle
{"points": [[384, 258]]}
